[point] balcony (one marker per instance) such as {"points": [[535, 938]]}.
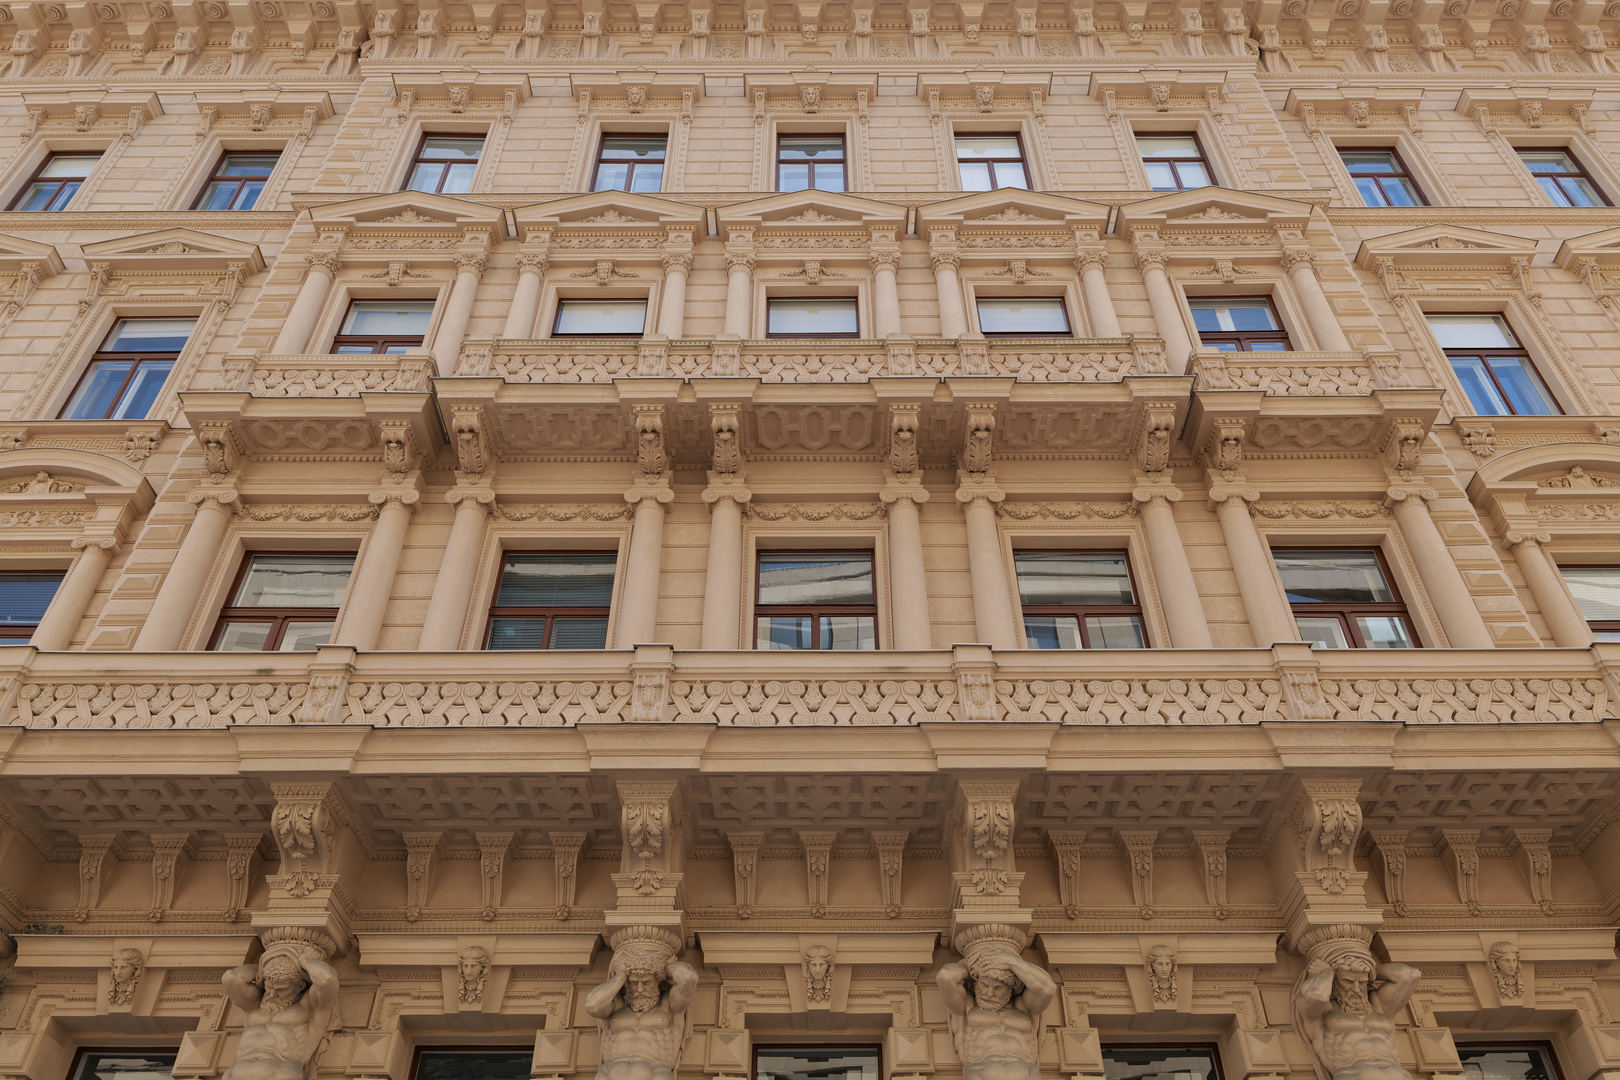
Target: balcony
{"points": [[307, 375], [1298, 374], [659, 685]]}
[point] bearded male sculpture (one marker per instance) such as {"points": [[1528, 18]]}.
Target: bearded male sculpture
{"points": [[290, 997], [1345, 1004], [995, 998], [642, 1011]]}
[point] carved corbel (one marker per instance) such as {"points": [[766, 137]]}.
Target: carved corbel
{"points": [[93, 849], [978, 439], [221, 448], [1391, 849], [1139, 850], [984, 852], [303, 827], [903, 419], [1520, 269], [817, 864], [891, 849], [467, 432], [1212, 852], [1404, 448], [401, 455], [744, 862], [493, 851], [422, 852], [1224, 454], [652, 459], [1530, 848], [565, 849], [170, 856], [650, 860], [241, 849], [1158, 431], [1462, 854], [726, 459], [1066, 849], [1327, 821]]}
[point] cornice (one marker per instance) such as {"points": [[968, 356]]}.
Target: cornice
{"points": [[1595, 217], [130, 221]]}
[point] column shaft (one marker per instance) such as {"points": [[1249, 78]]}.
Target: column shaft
{"points": [[1167, 315], [886, 300], [452, 589], [672, 303], [72, 599], [1465, 628], [453, 327], [183, 584], [638, 615], [525, 305], [1569, 627], [374, 577], [740, 299], [306, 308], [992, 604], [723, 577], [908, 584], [1269, 617], [1178, 592], [952, 316], [1099, 304], [1318, 312]]}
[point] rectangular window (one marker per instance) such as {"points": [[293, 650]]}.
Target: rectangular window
{"points": [[553, 601], [988, 162], [1382, 178], [1596, 590], [123, 1065], [630, 163], [1078, 600], [1503, 1061], [383, 326], [1173, 162], [445, 164], [1041, 316], [1342, 599], [24, 596], [811, 318], [600, 318], [815, 600], [1160, 1063], [1494, 369], [481, 1064], [127, 372], [236, 181], [1564, 180], [56, 181], [810, 161], [817, 1062], [1239, 324], [283, 603]]}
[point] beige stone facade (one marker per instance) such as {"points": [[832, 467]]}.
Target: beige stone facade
{"points": [[681, 855]]}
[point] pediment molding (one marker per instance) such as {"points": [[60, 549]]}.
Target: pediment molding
{"points": [[288, 111], [17, 253], [634, 91], [457, 92], [608, 210], [169, 250], [808, 213], [1208, 207], [1012, 209], [1443, 246]]}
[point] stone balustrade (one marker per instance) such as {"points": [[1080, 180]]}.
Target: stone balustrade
{"points": [[326, 375], [1297, 374], [657, 684]]}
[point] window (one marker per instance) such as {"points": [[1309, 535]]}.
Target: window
{"points": [[481, 1064], [283, 603], [1494, 369], [1239, 324], [129, 369], [1160, 1063], [810, 161], [1382, 178], [1596, 590], [630, 163], [383, 326], [1563, 178], [553, 601], [600, 318], [815, 600], [123, 1065], [1078, 600], [817, 1062], [237, 181], [800, 317], [24, 596], [1024, 317], [1498, 1061], [1342, 599], [445, 164], [988, 162], [56, 181], [1173, 162]]}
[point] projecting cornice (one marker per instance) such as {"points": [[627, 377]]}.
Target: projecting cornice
{"points": [[1205, 207], [811, 210], [17, 253], [1012, 208], [1444, 247], [417, 209], [174, 249], [618, 209]]}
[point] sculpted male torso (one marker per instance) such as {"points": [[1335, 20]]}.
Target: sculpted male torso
{"points": [[996, 1026], [643, 1023], [1349, 1025], [289, 1006]]}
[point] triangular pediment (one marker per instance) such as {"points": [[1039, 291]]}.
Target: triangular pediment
{"points": [[1014, 207], [1603, 245], [175, 249], [1442, 244], [814, 209], [408, 209], [623, 209], [1214, 205], [15, 251]]}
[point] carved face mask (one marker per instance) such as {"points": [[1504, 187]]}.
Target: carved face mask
{"points": [[1351, 990], [992, 990], [641, 991]]}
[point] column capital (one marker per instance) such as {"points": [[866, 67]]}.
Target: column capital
{"points": [[1149, 258], [472, 262], [327, 262], [973, 486], [1518, 539], [740, 260], [680, 260], [656, 489], [943, 258], [1087, 257], [533, 262], [223, 495], [101, 541], [897, 487], [1240, 490], [885, 259], [726, 486], [1293, 258], [1148, 490], [470, 493], [406, 496], [1398, 493]]}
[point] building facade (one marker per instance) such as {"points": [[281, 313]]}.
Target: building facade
{"points": [[441, 441]]}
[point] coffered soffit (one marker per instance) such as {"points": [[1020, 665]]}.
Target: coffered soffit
{"points": [[608, 211], [15, 252], [1307, 427], [811, 210], [1011, 208], [416, 210], [1213, 208], [173, 249], [1444, 246]]}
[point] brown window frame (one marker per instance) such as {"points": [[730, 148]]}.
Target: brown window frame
{"points": [[462, 1048], [380, 344], [134, 359], [21, 633], [214, 177], [548, 613], [855, 334], [1063, 304], [630, 172], [1483, 356], [84, 1051], [755, 1048], [816, 611], [843, 162], [282, 615], [1544, 1045], [1174, 163], [1581, 171], [1079, 612], [421, 148], [1022, 160], [36, 178], [1404, 172], [1244, 339], [556, 320], [1213, 1049], [1317, 609]]}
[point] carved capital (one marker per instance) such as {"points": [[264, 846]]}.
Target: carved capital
{"points": [[327, 262]]}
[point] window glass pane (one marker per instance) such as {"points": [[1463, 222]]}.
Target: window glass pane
{"points": [[1193, 174], [258, 165], [557, 580], [458, 178], [811, 317], [47, 196], [1368, 161], [987, 146], [218, 196], [148, 335], [783, 632], [388, 318], [295, 581], [1062, 577], [1169, 1063], [306, 635], [848, 632], [835, 578], [1161, 176], [1167, 146], [1268, 346], [1481, 391], [1472, 332], [587, 317], [811, 148], [1596, 590], [975, 176], [1400, 192], [1506, 1063], [1115, 632], [124, 1065], [610, 176], [425, 177], [648, 178], [99, 391], [1372, 194], [1344, 577], [1383, 632], [639, 148], [243, 637], [1522, 385], [1554, 191], [451, 148], [1009, 175], [1043, 315], [1322, 633], [816, 1063], [25, 596], [829, 177], [70, 165], [571, 633], [474, 1064], [517, 633], [142, 390], [1227, 315], [792, 177], [1052, 631], [1580, 192]]}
